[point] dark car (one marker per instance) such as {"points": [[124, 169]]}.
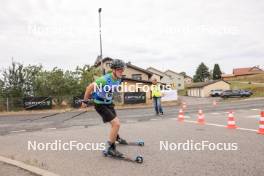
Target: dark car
{"points": [[245, 93], [236, 93]]}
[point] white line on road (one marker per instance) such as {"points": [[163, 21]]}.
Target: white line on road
{"points": [[131, 121], [18, 131], [215, 113], [253, 117], [173, 118], [219, 125], [142, 115], [185, 117], [247, 129], [51, 128], [255, 109]]}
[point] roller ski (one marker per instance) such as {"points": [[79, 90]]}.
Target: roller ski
{"points": [[136, 143], [113, 153]]}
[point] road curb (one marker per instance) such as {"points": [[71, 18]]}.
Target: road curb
{"points": [[32, 169]]}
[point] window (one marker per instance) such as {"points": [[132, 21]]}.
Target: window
{"points": [[137, 76]]}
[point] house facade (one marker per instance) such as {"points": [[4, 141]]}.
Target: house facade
{"points": [[203, 89], [242, 73], [174, 79]]}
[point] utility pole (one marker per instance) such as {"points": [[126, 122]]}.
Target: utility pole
{"points": [[100, 37]]}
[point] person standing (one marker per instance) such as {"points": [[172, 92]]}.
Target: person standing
{"points": [[156, 96]]}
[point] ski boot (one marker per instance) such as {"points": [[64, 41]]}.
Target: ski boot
{"points": [[121, 141], [111, 150]]}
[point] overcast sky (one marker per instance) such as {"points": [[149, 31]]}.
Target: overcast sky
{"points": [[166, 34]]}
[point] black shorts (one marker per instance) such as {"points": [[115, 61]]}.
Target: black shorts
{"points": [[106, 111]]}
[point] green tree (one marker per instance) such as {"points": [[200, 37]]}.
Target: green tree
{"points": [[13, 80], [1, 88], [217, 72], [87, 75], [18, 81], [52, 83], [30, 75], [202, 73]]}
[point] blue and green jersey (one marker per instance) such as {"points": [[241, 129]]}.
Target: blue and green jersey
{"points": [[107, 85]]}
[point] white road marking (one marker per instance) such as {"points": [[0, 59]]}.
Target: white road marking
{"points": [[219, 125], [131, 121], [247, 129], [185, 117], [255, 109], [253, 117], [18, 131], [215, 113], [174, 118], [154, 119], [51, 128], [142, 115]]}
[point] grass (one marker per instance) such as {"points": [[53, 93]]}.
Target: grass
{"points": [[258, 78], [257, 89]]}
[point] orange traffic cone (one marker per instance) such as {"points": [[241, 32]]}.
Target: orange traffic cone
{"points": [[261, 123], [181, 116], [231, 124], [200, 118], [184, 106]]}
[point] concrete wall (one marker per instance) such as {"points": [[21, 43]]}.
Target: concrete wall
{"points": [[194, 92]]}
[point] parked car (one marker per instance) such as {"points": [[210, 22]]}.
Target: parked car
{"points": [[246, 93], [236, 93], [216, 92]]}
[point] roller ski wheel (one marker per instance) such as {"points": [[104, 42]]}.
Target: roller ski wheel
{"points": [[140, 143], [105, 153], [139, 159]]}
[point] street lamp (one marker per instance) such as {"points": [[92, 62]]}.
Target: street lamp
{"points": [[101, 50], [99, 11]]}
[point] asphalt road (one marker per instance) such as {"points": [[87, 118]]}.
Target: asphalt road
{"points": [[37, 122], [247, 160]]}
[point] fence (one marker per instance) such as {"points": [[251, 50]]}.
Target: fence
{"points": [[17, 103]]}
